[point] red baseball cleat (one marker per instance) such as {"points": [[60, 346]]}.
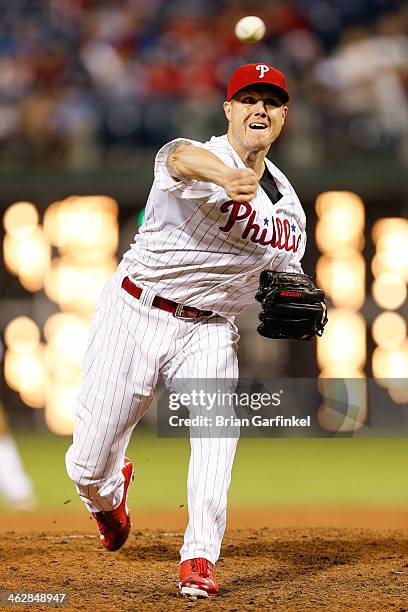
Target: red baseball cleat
{"points": [[114, 525], [197, 578]]}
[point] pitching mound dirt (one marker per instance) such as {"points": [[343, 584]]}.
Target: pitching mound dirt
{"points": [[260, 569]]}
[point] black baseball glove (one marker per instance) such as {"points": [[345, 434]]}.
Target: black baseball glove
{"points": [[292, 306]]}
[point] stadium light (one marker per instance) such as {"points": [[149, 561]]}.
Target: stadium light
{"points": [[60, 406], [340, 271], [389, 330], [76, 287], [29, 257], [389, 226], [20, 219], [67, 337], [342, 209], [398, 390], [343, 278], [22, 335], [389, 291], [86, 223], [85, 231], [390, 363], [25, 372], [343, 342]]}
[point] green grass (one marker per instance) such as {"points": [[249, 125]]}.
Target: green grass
{"points": [[267, 472]]}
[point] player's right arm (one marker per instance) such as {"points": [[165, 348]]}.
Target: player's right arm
{"points": [[189, 162]]}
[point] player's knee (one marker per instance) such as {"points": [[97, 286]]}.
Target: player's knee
{"points": [[79, 472]]}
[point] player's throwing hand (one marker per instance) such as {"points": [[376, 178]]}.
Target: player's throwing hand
{"points": [[241, 184]]}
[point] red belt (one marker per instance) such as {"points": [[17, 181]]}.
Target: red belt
{"points": [[177, 310]]}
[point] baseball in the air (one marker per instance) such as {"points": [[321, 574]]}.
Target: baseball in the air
{"points": [[250, 29]]}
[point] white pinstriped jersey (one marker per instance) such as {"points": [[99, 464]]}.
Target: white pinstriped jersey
{"points": [[198, 247]]}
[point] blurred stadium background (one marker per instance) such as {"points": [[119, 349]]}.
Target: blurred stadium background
{"points": [[89, 90]]}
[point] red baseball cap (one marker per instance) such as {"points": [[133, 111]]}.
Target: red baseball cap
{"points": [[253, 74]]}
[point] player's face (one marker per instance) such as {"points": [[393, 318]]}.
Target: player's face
{"points": [[256, 116]]}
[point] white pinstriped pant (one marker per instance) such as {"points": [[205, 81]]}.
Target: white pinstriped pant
{"points": [[130, 344]]}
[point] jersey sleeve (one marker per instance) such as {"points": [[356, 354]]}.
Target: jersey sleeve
{"points": [[184, 188], [294, 265]]}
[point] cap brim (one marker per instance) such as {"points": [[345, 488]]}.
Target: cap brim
{"points": [[282, 93]]}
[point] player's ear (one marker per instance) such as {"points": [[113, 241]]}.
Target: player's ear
{"points": [[284, 112], [227, 109]]}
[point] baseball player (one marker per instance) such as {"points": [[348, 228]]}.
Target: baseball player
{"points": [[15, 485], [218, 214]]}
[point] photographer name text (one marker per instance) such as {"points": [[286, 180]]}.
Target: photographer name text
{"points": [[231, 421]]}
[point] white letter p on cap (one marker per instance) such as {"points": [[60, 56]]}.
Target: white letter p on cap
{"points": [[262, 69]]}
